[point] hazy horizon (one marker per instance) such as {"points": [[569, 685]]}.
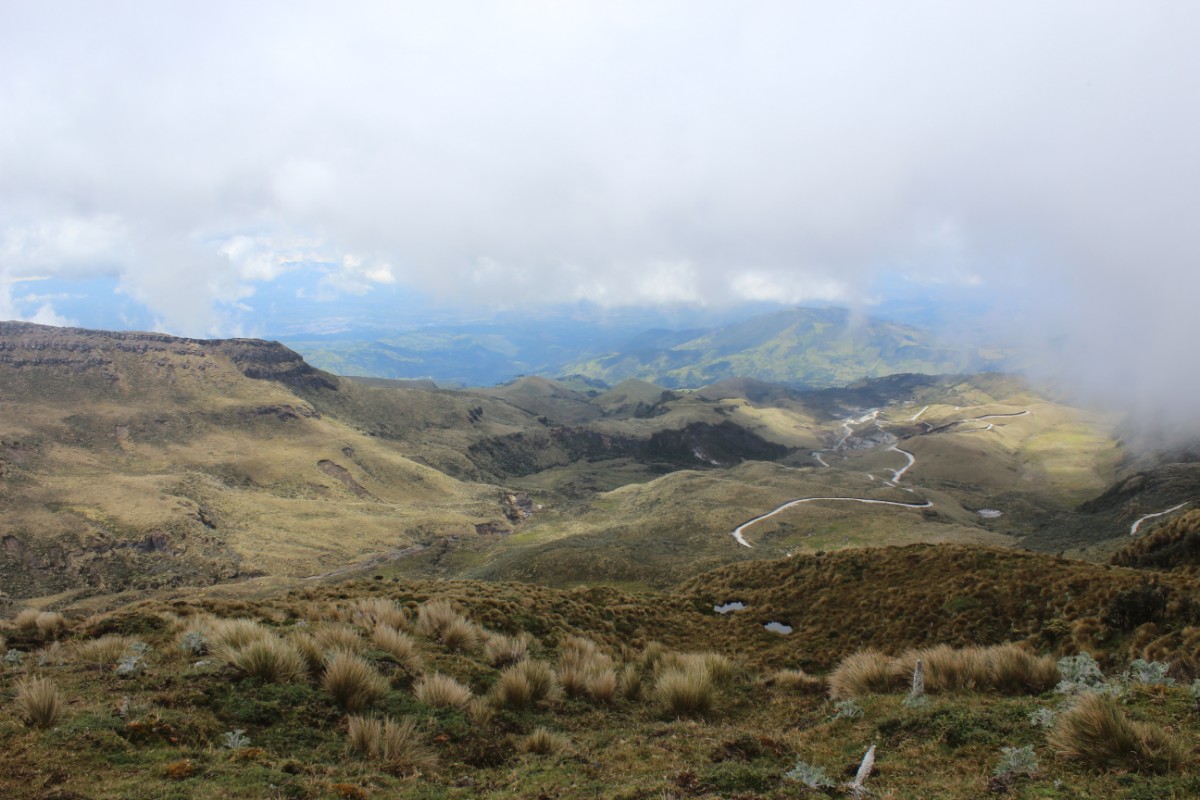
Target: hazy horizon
{"points": [[1019, 171]]}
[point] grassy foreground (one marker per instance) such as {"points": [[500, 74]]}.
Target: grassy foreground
{"points": [[381, 688]]}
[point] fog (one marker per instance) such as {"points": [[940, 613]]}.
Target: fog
{"points": [[693, 155]]}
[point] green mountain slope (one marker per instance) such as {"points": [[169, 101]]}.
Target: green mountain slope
{"points": [[802, 346]]}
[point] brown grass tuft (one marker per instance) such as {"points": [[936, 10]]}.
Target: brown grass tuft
{"points": [[685, 692], [102, 653], [339, 638], [396, 745], [370, 612], [271, 660], [26, 620], [235, 634], [461, 634], [1014, 670], [310, 650], [543, 742], [354, 683], [500, 650], [441, 691], [864, 672], [526, 684], [797, 680], [39, 702], [1097, 732], [50, 624], [400, 646]]}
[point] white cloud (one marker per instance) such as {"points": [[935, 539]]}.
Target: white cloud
{"points": [[621, 152]]}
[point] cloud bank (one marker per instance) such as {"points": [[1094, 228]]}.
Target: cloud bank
{"points": [[618, 153]]}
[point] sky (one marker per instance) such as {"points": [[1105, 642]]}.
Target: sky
{"points": [[218, 168]]}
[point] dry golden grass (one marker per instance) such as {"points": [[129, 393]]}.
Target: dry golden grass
{"points": [[433, 617], [354, 683], [235, 634], [526, 684], [400, 646], [947, 669], [50, 624], [500, 650], [442, 691], [339, 638], [797, 680], [1015, 670], [271, 660], [39, 702], [631, 682], [310, 650], [371, 612], [461, 634], [395, 745], [685, 692], [1097, 732], [54, 654], [543, 742], [865, 672], [26, 620], [602, 685], [480, 712], [104, 652]]}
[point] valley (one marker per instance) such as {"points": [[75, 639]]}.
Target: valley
{"points": [[160, 494]]}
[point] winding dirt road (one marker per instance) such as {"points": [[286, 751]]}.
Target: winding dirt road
{"points": [[737, 532]]}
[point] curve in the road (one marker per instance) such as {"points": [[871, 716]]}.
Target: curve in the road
{"points": [[737, 532], [1133, 529], [898, 473]]}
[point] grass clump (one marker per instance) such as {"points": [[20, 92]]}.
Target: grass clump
{"points": [[543, 742], [396, 745], [50, 625], [685, 692], [39, 702], [1097, 732], [338, 638], [234, 634], [371, 612], [797, 680], [354, 683], [526, 684], [400, 646], [442, 691], [501, 651], [270, 660], [865, 672], [310, 650], [104, 652]]}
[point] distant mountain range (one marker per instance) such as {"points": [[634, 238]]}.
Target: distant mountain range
{"points": [[809, 347]]}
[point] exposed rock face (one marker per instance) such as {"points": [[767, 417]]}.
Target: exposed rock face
{"points": [[79, 351]]}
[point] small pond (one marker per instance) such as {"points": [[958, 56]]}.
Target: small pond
{"points": [[736, 605], [778, 627]]}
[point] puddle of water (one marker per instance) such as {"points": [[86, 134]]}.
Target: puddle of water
{"points": [[778, 627], [736, 605], [989, 513]]}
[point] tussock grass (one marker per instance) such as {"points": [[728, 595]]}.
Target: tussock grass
{"points": [[797, 680], [104, 652], [865, 672], [271, 660], [1015, 670], [396, 745], [354, 683], [685, 692], [400, 646], [53, 654], [460, 634], [371, 612], [526, 684], [480, 712], [310, 650], [584, 669], [434, 617], [1004, 668], [50, 624], [339, 638], [39, 702], [26, 620], [1096, 731], [442, 691], [602, 685], [500, 650], [543, 742], [631, 682], [235, 634]]}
